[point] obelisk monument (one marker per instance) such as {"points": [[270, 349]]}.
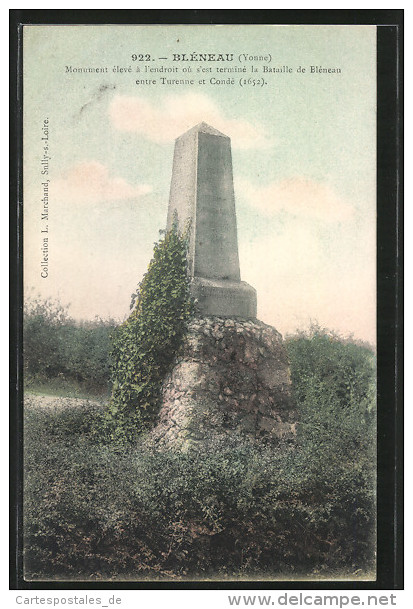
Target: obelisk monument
{"points": [[202, 193]]}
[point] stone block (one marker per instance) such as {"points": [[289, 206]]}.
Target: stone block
{"points": [[224, 298]]}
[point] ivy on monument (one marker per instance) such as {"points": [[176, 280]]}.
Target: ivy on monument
{"points": [[145, 345]]}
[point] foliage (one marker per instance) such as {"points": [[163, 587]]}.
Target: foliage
{"points": [[233, 510], [237, 511], [145, 345], [59, 351], [342, 367], [334, 384]]}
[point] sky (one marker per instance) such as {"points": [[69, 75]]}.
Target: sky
{"points": [[304, 162]]}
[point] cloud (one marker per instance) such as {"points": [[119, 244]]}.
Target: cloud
{"points": [[166, 121], [91, 182], [297, 196]]}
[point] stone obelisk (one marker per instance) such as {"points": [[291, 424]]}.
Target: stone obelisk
{"points": [[202, 193], [232, 374]]}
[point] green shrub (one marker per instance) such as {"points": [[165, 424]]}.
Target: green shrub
{"points": [[61, 352], [235, 512], [334, 385], [42, 341], [227, 511], [145, 345]]}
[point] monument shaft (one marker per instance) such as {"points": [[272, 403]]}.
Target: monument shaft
{"points": [[202, 193]]}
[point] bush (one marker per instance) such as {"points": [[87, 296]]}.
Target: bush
{"points": [[238, 512], [58, 350], [226, 511], [42, 342], [334, 383], [145, 346]]}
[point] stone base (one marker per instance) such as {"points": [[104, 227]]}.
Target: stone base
{"points": [[231, 380], [224, 298]]}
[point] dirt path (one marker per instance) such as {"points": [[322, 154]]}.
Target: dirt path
{"points": [[50, 401]]}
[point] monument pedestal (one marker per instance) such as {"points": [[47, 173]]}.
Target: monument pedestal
{"points": [[230, 381], [224, 298]]}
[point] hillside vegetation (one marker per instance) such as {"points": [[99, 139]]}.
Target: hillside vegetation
{"points": [[100, 504]]}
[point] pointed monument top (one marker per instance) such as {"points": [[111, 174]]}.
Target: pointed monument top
{"points": [[202, 192], [203, 128]]}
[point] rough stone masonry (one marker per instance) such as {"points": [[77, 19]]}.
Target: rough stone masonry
{"points": [[231, 377]]}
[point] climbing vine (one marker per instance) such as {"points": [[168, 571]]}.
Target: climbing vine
{"points": [[145, 345]]}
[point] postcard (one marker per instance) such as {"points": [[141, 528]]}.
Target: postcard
{"points": [[199, 303]]}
